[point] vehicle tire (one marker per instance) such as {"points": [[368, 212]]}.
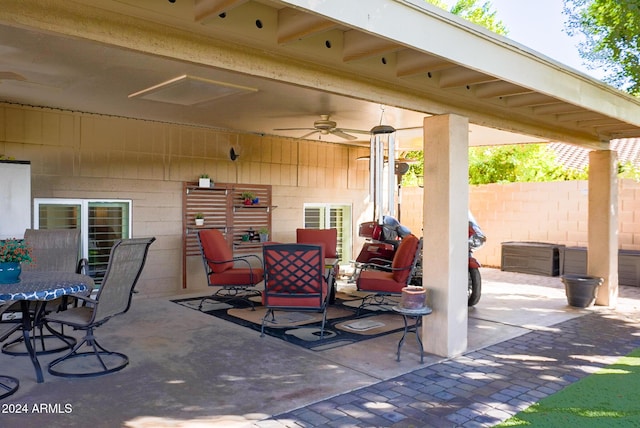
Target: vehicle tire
{"points": [[475, 286]]}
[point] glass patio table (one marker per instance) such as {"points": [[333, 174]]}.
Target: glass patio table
{"points": [[41, 287]]}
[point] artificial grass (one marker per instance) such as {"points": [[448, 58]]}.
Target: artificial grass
{"points": [[608, 398]]}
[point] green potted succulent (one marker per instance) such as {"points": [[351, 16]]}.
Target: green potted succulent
{"points": [[204, 180], [199, 219], [264, 234]]}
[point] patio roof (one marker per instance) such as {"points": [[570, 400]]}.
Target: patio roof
{"points": [[299, 59], [571, 156]]}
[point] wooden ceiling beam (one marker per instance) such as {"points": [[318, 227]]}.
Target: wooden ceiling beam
{"points": [[359, 45], [205, 9], [410, 63], [499, 89], [579, 116], [530, 100], [556, 108], [461, 76], [599, 122], [294, 25]]}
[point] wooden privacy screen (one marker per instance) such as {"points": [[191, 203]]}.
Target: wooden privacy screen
{"points": [[224, 209]]}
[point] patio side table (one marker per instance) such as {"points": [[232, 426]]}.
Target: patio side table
{"points": [[416, 314]]}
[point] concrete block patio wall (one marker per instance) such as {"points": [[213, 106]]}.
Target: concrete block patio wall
{"points": [[553, 212]]}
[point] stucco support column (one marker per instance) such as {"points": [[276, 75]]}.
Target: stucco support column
{"points": [[603, 224], [446, 204]]}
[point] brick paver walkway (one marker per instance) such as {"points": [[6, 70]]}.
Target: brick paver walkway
{"points": [[485, 387]]}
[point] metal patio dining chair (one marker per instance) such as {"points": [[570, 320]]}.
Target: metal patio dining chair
{"points": [[294, 281], [54, 250], [8, 384], [126, 261], [51, 250]]}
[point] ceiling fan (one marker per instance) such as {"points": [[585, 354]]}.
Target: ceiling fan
{"points": [[326, 126]]}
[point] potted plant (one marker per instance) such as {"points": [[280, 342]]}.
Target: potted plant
{"points": [[264, 234], [199, 219], [247, 197], [12, 253], [204, 180]]}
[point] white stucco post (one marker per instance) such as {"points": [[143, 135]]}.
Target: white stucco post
{"points": [[602, 252], [446, 202]]}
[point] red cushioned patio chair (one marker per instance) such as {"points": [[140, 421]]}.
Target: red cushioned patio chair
{"points": [[235, 277], [294, 281], [328, 238], [389, 282]]}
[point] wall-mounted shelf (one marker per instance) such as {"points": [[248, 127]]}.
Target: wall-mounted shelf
{"points": [[223, 209], [254, 207], [247, 245]]}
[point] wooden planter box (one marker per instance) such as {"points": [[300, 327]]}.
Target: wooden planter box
{"points": [[536, 258]]}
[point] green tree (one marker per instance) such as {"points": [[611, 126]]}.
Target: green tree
{"points": [[517, 163], [612, 38], [476, 12]]}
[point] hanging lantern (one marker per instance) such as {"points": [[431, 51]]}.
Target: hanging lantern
{"points": [[381, 182]]}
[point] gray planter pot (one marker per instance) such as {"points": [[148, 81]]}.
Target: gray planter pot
{"points": [[581, 289]]}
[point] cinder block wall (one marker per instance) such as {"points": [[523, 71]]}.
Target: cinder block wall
{"points": [[553, 212]]}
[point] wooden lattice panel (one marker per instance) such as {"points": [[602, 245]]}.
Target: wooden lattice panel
{"points": [[223, 209]]}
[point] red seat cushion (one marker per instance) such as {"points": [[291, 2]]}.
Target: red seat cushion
{"points": [[215, 248], [299, 301], [379, 281], [403, 258], [239, 276]]}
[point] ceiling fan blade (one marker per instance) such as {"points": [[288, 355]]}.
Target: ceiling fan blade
{"points": [[409, 129], [355, 131], [315, 131], [294, 129], [339, 133]]}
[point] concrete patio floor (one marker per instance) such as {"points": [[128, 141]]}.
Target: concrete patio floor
{"points": [[189, 369]]}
